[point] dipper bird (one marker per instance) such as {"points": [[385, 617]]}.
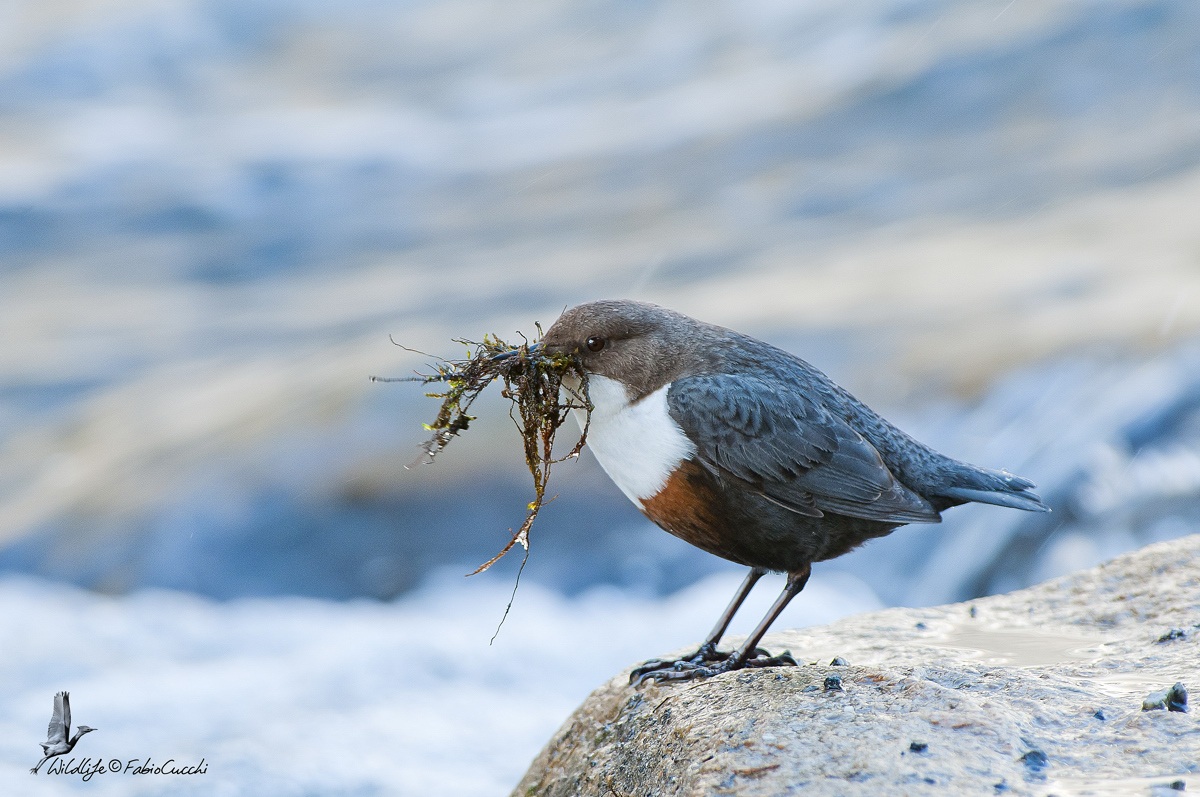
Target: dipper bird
{"points": [[750, 453], [56, 743]]}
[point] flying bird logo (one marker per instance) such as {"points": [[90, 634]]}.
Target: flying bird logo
{"points": [[58, 739]]}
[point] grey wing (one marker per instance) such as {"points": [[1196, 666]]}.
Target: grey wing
{"points": [[791, 449], [60, 720]]}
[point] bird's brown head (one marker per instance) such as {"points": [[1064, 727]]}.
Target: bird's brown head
{"points": [[640, 344]]}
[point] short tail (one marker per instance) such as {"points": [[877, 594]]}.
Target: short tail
{"points": [[995, 487]]}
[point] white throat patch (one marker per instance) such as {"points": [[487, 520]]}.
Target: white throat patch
{"points": [[639, 445]]}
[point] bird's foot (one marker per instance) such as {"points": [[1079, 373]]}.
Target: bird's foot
{"points": [[707, 654], [694, 667]]}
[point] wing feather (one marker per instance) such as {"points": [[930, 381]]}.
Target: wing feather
{"points": [[57, 730], [791, 449]]}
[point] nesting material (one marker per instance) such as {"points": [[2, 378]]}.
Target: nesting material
{"points": [[534, 382]]}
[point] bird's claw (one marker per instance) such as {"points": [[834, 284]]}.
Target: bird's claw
{"points": [[705, 655], [694, 667], [686, 671], [785, 659], [656, 665]]}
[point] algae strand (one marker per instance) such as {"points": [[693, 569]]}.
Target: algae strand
{"points": [[534, 383]]}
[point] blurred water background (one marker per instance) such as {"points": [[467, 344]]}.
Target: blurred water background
{"points": [[977, 215]]}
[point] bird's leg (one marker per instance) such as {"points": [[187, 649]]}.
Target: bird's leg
{"points": [[707, 651], [39, 764], [748, 655]]}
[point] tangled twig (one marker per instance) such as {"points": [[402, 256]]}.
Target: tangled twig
{"points": [[542, 392]]}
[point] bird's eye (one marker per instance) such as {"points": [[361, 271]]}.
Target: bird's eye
{"points": [[595, 344]]}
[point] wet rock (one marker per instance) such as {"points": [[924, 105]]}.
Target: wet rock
{"points": [[838, 661], [833, 683], [1172, 635], [1035, 760], [1006, 702], [1173, 699]]}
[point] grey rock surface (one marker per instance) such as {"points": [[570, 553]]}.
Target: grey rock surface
{"points": [[1034, 692]]}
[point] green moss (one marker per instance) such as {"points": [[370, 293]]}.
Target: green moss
{"points": [[533, 381]]}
